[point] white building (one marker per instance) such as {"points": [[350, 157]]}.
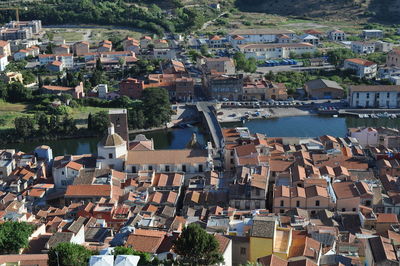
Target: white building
{"points": [[164, 53], [365, 136], [363, 68], [3, 62], [275, 50], [66, 59], [258, 35], [374, 96], [363, 47], [102, 90], [111, 151], [65, 173], [308, 38], [372, 34], [336, 35]]}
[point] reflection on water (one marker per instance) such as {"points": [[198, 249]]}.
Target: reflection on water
{"points": [[163, 139]]}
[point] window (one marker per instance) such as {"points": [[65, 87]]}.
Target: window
{"points": [[183, 168], [62, 173], [297, 203], [367, 203], [242, 251], [282, 203], [167, 168], [354, 209], [133, 169], [343, 209], [257, 192], [63, 182], [200, 168], [110, 156], [150, 168], [317, 203], [367, 95], [282, 211], [388, 95], [358, 95], [257, 204]]}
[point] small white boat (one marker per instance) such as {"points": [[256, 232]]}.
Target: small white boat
{"points": [[335, 116]]}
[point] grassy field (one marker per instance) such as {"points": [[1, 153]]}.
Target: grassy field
{"points": [[93, 35], [9, 111]]}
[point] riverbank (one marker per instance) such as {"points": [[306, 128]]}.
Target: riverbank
{"points": [[227, 115]]}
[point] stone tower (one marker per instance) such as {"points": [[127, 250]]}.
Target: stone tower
{"points": [[119, 117]]}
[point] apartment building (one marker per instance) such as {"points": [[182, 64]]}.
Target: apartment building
{"points": [[275, 50], [374, 96], [362, 68]]}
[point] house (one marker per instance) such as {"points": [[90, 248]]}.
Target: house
{"points": [[236, 40], [385, 221], [215, 41], [283, 38], [55, 66], [374, 96], [223, 65], [225, 248], [393, 58], [5, 48], [23, 53], [105, 46], [161, 44], [347, 196], [145, 41], [7, 163], [188, 161], [131, 44], [380, 251], [336, 35], [221, 86], [275, 50], [10, 77], [257, 88], [173, 67], [66, 59], [362, 68], [372, 34], [250, 188], [365, 136], [323, 89], [363, 47], [164, 53], [312, 198], [131, 87], [258, 35], [3, 62], [262, 235], [77, 92], [179, 86], [384, 47], [316, 33], [308, 38], [81, 48], [61, 49]]}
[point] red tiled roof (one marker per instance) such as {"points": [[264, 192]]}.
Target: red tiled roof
{"points": [[360, 61], [88, 190]]}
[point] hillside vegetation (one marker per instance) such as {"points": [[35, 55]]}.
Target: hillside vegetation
{"points": [[378, 10]]}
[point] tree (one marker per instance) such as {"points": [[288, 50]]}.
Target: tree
{"points": [[145, 258], [18, 92], [242, 63], [14, 236], [197, 247], [337, 56], [69, 254], [99, 122], [156, 106], [24, 126]]}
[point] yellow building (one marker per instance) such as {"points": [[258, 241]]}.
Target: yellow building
{"points": [[262, 237]]}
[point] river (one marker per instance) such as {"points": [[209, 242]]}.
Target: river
{"points": [[163, 139], [295, 126], [311, 126]]}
